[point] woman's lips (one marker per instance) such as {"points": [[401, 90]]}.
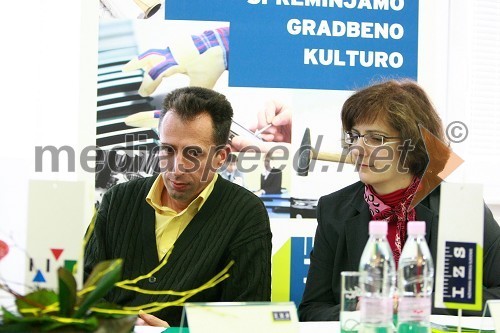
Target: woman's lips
{"points": [[364, 166]]}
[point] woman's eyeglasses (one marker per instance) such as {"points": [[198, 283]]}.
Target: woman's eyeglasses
{"points": [[370, 139]]}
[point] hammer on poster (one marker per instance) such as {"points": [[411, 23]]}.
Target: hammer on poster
{"points": [[307, 153], [148, 7]]}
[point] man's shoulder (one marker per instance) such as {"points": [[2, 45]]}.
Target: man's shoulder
{"points": [[236, 192], [234, 203], [138, 185]]}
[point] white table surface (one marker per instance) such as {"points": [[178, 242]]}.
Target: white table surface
{"points": [[485, 323], [333, 326], [313, 326]]}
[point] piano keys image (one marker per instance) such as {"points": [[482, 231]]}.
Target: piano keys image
{"points": [[126, 152]]}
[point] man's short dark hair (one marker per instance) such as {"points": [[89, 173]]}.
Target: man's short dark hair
{"points": [[232, 158], [189, 102]]}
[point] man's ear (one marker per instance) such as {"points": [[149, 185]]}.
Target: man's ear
{"points": [[222, 155]]}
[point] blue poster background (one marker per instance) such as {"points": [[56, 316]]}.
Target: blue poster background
{"points": [[301, 249], [264, 54]]}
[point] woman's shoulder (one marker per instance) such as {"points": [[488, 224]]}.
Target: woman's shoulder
{"points": [[344, 193]]}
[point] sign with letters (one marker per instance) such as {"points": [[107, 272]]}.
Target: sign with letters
{"points": [[459, 262], [57, 218], [292, 43], [242, 317]]}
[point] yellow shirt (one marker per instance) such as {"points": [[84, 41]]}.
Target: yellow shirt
{"points": [[168, 223]]}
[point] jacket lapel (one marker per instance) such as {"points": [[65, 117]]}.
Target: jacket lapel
{"points": [[423, 213], [426, 211], [356, 229]]}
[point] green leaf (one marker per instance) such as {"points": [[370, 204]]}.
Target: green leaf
{"points": [[17, 327], [67, 292], [13, 323], [37, 299], [102, 304], [103, 277], [89, 324], [8, 316]]}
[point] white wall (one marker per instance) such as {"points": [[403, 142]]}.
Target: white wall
{"points": [[44, 103]]}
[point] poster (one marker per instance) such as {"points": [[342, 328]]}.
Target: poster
{"points": [[303, 57]]}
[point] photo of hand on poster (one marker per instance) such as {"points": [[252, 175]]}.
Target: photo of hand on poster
{"points": [[163, 56], [141, 61], [273, 126], [201, 59]]}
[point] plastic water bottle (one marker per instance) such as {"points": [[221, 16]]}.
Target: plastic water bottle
{"points": [[378, 281], [415, 281]]}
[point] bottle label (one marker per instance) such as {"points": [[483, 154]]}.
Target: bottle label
{"points": [[414, 309], [376, 310]]}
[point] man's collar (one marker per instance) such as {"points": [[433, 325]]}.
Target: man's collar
{"points": [[154, 196]]}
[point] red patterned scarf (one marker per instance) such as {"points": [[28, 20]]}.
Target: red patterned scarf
{"points": [[396, 213]]}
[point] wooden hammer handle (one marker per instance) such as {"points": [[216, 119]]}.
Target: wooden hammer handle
{"points": [[332, 157]]}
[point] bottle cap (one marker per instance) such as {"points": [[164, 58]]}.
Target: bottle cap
{"points": [[416, 228], [378, 228]]}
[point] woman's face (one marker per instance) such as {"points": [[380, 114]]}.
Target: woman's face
{"points": [[381, 166]]}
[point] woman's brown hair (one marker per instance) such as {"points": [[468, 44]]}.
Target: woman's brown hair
{"points": [[403, 105]]}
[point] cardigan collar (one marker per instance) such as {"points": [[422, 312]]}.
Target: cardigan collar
{"points": [[193, 228]]}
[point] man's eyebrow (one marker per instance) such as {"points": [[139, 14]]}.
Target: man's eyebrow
{"points": [[164, 144], [193, 147]]}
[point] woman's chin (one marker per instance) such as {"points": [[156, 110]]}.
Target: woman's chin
{"points": [[367, 179]]}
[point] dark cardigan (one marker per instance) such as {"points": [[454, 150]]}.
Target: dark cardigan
{"points": [[231, 225]]}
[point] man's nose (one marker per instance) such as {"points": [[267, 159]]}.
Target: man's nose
{"points": [[178, 164], [172, 163]]}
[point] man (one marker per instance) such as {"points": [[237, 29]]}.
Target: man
{"points": [[270, 179], [230, 171], [208, 220]]}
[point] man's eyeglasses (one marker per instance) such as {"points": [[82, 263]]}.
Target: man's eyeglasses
{"points": [[370, 139]]}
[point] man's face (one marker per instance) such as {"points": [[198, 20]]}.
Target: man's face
{"points": [[188, 157], [267, 163], [231, 167]]}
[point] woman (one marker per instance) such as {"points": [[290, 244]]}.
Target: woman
{"points": [[381, 126]]}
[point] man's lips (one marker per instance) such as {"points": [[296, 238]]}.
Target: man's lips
{"points": [[178, 184]]}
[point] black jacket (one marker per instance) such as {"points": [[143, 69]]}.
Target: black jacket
{"points": [[341, 236], [271, 184]]}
